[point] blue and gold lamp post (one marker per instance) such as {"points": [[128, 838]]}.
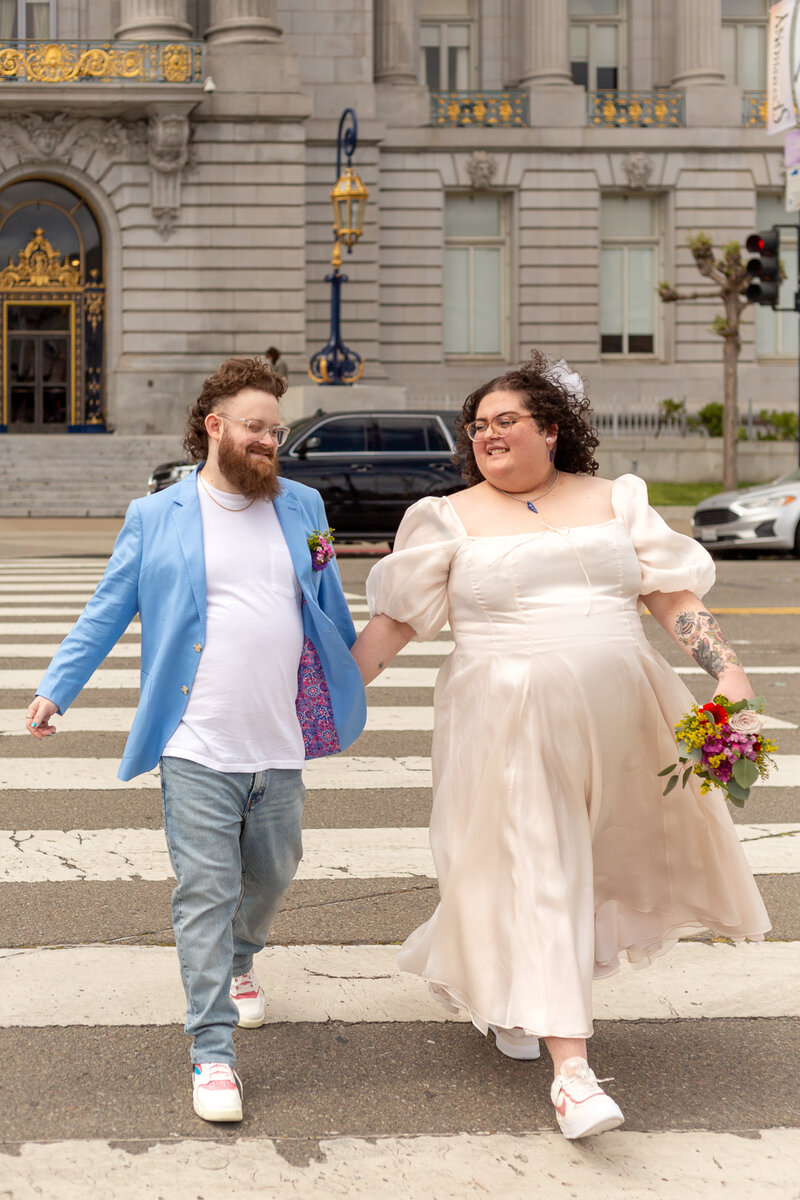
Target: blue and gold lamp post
{"points": [[337, 363]]}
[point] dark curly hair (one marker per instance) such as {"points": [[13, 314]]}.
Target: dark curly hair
{"points": [[232, 377], [549, 403]]}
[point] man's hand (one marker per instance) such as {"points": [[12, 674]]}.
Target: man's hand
{"points": [[38, 718]]}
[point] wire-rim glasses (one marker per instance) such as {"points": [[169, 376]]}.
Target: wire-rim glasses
{"points": [[499, 425], [257, 428]]}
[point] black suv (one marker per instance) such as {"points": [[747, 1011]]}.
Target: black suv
{"points": [[368, 466]]}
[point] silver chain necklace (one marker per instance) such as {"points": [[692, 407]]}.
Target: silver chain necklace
{"points": [[529, 503]]}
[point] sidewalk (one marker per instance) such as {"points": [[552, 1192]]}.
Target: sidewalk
{"points": [[49, 537]]}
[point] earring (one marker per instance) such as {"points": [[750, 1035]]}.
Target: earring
{"points": [[551, 456]]}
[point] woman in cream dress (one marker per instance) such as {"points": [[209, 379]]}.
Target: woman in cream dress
{"points": [[555, 851]]}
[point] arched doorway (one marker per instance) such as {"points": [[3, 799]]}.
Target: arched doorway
{"points": [[52, 304]]}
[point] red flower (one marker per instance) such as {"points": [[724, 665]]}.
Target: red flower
{"points": [[719, 713]]}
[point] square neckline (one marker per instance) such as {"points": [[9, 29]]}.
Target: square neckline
{"points": [[488, 537]]}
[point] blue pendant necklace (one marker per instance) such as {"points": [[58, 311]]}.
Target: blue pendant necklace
{"points": [[529, 503]]}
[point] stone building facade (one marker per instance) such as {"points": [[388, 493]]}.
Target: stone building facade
{"points": [[534, 169]]}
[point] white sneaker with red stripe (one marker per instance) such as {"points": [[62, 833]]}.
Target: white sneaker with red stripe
{"points": [[516, 1043], [216, 1092], [582, 1107], [248, 996]]}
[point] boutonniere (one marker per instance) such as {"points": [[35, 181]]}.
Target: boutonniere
{"points": [[321, 547]]}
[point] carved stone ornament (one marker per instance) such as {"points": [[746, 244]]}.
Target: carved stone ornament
{"points": [[37, 136], [637, 168], [481, 169], [168, 153]]}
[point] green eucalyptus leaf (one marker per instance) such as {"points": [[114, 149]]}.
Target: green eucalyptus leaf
{"points": [[670, 785], [696, 754], [738, 803], [736, 792], [737, 707], [668, 770], [687, 773], [745, 772]]}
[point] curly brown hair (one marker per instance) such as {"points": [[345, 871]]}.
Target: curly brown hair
{"points": [[550, 403], [232, 377]]}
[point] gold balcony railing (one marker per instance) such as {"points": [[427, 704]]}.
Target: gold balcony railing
{"points": [[754, 108], [479, 108], [101, 62], [661, 110]]}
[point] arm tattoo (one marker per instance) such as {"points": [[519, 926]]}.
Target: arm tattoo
{"points": [[705, 641], [380, 665]]}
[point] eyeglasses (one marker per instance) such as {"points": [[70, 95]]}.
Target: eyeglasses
{"points": [[257, 428], [499, 426]]}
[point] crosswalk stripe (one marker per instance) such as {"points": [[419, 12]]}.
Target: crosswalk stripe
{"points": [[54, 855], [51, 608], [119, 720], [664, 1165], [140, 985], [133, 649], [380, 719], [343, 771]]}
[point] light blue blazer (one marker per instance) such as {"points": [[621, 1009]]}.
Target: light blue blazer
{"points": [[158, 570]]}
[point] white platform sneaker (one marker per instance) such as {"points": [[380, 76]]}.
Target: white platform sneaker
{"points": [[582, 1107], [216, 1092], [515, 1043], [248, 996]]}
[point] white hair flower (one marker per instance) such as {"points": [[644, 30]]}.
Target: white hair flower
{"points": [[562, 373]]}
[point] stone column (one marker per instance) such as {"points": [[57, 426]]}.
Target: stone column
{"points": [[243, 21], [546, 44], [400, 99], [152, 20], [698, 42], [553, 98], [396, 41], [708, 100]]}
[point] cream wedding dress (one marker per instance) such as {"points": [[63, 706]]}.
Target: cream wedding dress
{"points": [[554, 848]]}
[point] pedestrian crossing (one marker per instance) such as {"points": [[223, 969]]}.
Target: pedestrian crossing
{"points": [[359, 1082]]}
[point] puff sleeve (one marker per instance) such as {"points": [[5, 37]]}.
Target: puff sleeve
{"points": [[410, 584], [669, 561]]}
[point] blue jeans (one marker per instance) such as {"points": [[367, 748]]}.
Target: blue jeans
{"points": [[234, 843]]}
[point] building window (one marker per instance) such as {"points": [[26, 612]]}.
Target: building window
{"points": [[33, 20], [475, 257], [744, 43], [447, 40], [629, 261], [597, 44], [776, 332]]}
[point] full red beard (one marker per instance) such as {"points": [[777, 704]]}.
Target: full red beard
{"points": [[253, 471]]}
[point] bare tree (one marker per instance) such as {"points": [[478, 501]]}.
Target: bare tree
{"points": [[729, 274]]}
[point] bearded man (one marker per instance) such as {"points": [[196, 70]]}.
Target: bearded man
{"points": [[246, 672]]}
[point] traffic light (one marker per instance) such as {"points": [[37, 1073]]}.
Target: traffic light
{"points": [[765, 270]]}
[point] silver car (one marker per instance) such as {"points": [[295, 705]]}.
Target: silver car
{"points": [[766, 517]]}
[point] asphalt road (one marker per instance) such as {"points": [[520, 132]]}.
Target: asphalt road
{"points": [[364, 1091]]}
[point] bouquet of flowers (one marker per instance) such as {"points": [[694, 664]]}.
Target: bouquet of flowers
{"points": [[321, 547], [721, 742]]}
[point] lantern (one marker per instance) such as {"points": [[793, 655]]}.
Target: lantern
{"points": [[349, 199]]}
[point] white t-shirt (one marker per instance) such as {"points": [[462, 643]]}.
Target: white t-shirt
{"points": [[241, 712]]}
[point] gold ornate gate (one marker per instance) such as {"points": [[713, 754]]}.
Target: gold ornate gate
{"points": [[52, 306]]}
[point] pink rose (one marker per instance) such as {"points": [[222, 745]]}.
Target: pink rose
{"points": [[747, 721]]}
